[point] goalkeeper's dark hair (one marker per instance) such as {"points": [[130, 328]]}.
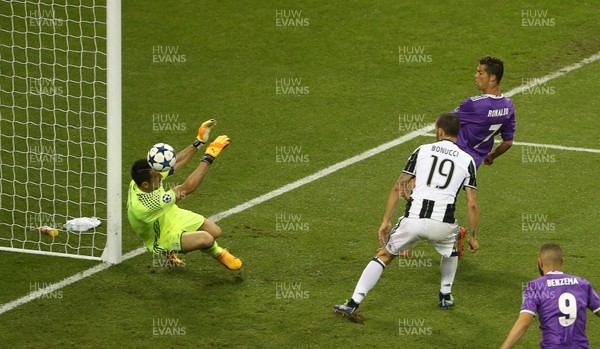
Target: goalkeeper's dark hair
{"points": [[450, 123], [493, 66], [140, 171]]}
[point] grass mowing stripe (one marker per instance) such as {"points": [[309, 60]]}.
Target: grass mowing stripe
{"points": [[288, 187]]}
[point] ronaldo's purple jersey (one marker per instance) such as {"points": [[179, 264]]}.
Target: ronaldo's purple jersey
{"points": [[560, 300], [481, 119]]}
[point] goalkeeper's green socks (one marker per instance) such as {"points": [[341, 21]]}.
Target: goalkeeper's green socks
{"points": [[214, 250]]}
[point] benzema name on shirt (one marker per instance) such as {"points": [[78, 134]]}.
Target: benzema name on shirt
{"points": [[562, 282]]}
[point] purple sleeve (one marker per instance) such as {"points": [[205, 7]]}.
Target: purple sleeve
{"points": [[466, 112], [508, 132], [593, 300], [529, 299]]}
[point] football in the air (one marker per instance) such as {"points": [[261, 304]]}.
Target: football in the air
{"points": [[161, 157]]}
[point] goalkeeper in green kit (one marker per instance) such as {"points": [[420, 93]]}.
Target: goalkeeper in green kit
{"points": [[163, 226]]}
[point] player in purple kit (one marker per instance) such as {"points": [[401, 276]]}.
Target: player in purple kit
{"points": [[483, 117], [560, 300]]}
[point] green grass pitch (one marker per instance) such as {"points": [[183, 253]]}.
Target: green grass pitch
{"points": [[299, 86]]}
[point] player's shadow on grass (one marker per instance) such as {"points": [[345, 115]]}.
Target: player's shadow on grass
{"points": [[472, 272], [205, 284], [201, 273]]}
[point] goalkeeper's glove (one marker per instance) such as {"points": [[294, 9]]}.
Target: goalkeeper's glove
{"points": [[214, 149], [203, 132]]}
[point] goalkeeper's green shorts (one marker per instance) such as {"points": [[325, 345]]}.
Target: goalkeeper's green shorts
{"points": [[177, 224]]}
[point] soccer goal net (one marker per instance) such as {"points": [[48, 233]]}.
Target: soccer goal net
{"points": [[60, 136]]}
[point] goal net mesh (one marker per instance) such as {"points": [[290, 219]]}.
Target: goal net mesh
{"points": [[52, 124]]}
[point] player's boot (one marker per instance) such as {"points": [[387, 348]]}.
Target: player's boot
{"points": [[348, 311], [459, 242], [446, 301], [344, 310], [230, 261], [174, 261]]}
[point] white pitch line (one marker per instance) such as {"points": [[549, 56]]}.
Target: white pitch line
{"points": [[324, 172], [543, 145], [288, 187], [559, 147], [553, 75], [248, 204], [65, 282]]}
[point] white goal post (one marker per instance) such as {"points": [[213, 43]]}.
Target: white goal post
{"points": [[60, 127]]}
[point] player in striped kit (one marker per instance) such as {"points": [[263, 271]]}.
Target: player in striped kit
{"points": [[483, 117], [441, 170]]}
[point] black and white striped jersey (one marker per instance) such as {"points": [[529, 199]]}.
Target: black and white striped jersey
{"points": [[441, 169]]}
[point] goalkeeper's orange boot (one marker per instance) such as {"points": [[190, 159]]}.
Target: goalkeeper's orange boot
{"points": [[230, 261], [174, 261]]}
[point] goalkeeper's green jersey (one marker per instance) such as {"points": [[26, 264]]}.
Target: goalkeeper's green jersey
{"points": [[151, 213]]}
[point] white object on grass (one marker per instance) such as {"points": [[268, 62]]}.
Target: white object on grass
{"points": [[82, 224]]}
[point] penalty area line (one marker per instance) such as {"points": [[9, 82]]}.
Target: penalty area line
{"points": [[288, 187]]}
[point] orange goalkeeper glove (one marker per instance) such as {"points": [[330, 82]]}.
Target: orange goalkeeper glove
{"points": [[203, 132], [214, 149]]}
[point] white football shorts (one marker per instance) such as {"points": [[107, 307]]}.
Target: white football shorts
{"points": [[408, 231]]}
